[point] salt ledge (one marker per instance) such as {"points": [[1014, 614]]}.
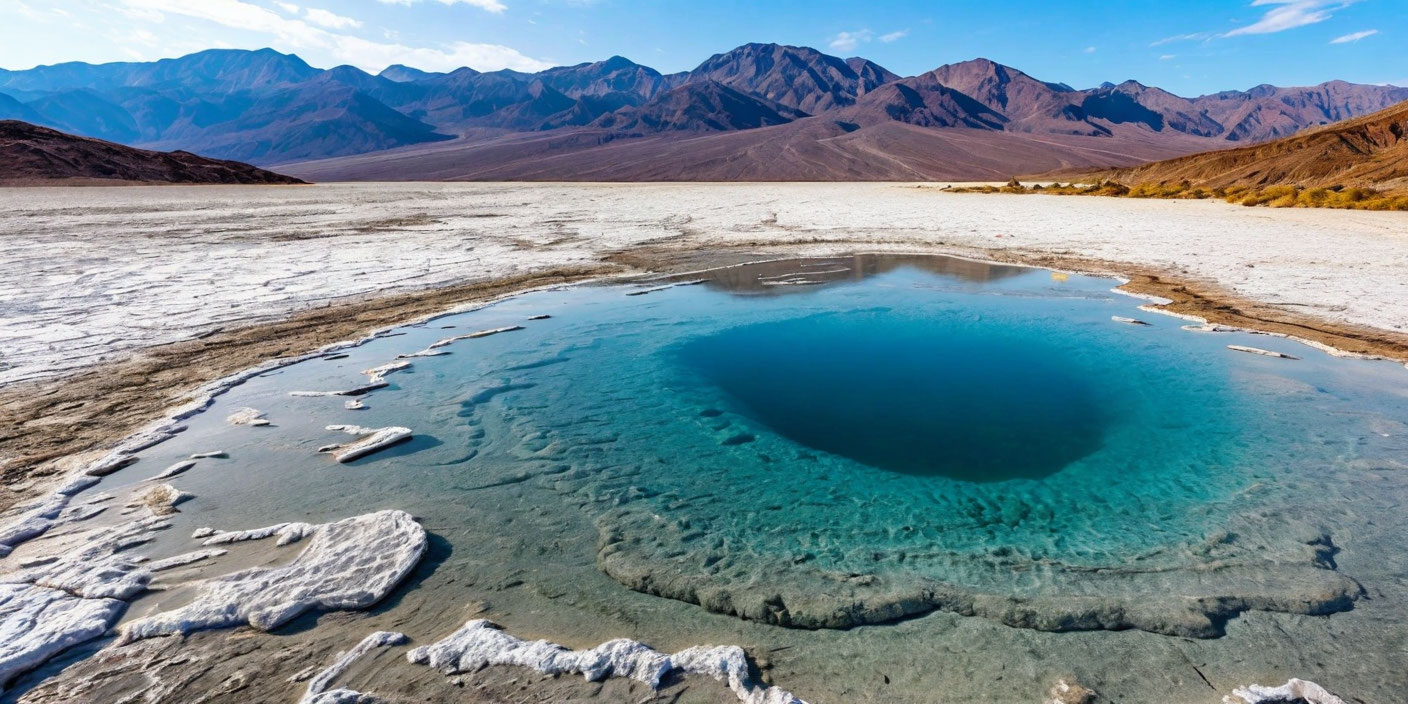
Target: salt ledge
{"points": [[480, 643], [318, 692], [349, 564]]}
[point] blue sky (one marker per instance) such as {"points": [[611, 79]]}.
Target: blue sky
{"points": [[1187, 46]]}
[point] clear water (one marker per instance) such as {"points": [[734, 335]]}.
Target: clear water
{"points": [[917, 453]]}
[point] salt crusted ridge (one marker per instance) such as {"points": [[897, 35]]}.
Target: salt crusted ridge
{"points": [[318, 692], [1294, 690], [372, 440], [55, 604], [64, 599], [349, 564], [480, 643]]}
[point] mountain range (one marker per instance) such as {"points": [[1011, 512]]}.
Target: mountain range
{"points": [[760, 111]]}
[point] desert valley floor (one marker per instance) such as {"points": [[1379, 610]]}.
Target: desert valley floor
{"points": [[119, 303]]}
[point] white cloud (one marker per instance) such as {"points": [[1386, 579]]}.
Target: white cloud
{"points": [[295, 34], [330, 20], [848, 41], [1088, 50], [1290, 14], [46, 15], [288, 7], [489, 5], [894, 36], [1194, 37], [1348, 38], [1168, 57]]}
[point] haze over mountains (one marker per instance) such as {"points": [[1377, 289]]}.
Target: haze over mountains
{"points": [[761, 111]]}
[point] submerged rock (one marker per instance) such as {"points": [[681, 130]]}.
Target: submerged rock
{"points": [[481, 643], [1128, 321], [162, 499], [1067, 692], [349, 564]]}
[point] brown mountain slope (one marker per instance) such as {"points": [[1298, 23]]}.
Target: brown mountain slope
{"points": [[1370, 151], [699, 106], [33, 155], [796, 76], [809, 149]]}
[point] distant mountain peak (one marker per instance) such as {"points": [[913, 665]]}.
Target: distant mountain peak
{"points": [[406, 74], [801, 78]]}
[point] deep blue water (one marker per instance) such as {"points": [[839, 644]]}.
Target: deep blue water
{"points": [[913, 393]]}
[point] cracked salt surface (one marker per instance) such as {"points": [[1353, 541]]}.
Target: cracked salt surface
{"points": [[175, 262]]}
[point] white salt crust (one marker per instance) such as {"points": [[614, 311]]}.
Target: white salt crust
{"points": [[372, 440], [318, 691], [1258, 350], [480, 643], [245, 416], [1293, 690], [57, 601], [348, 564]]}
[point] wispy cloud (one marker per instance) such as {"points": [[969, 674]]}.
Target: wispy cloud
{"points": [[1193, 37], [297, 34], [1168, 57], [288, 7], [894, 36], [490, 5], [848, 41], [324, 18], [1356, 36], [1088, 50], [1290, 14]]}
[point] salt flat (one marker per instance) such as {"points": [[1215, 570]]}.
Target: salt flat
{"points": [[90, 274]]}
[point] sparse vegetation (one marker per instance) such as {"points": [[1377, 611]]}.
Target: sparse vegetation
{"points": [[1270, 196]]}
